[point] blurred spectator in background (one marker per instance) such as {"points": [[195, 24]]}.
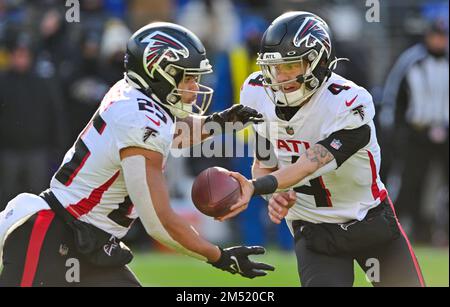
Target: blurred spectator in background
{"points": [[417, 89], [97, 68], [3, 53], [30, 125], [12, 17], [215, 22], [116, 8], [112, 50], [87, 85], [55, 51], [94, 16], [347, 24]]}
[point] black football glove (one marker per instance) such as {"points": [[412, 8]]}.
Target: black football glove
{"points": [[235, 260], [234, 114]]}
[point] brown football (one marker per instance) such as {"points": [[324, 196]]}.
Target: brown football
{"points": [[214, 191]]}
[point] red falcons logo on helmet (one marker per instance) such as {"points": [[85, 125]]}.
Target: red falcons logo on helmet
{"points": [[162, 46], [311, 32]]}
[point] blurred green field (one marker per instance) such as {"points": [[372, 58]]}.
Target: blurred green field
{"points": [[162, 269]]}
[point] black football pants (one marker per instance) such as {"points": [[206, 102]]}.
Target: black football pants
{"points": [[41, 253], [390, 265]]}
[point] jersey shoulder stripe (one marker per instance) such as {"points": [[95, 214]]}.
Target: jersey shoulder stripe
{"points": [[252, 91], [256, 80]]}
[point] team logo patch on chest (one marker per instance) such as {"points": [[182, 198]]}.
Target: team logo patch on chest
{"points": [[149, 132], [63, 250]]}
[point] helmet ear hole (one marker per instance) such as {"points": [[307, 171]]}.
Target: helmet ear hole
{"points": [[313, 83], [172, 71], [312, 55], [172, 98]]}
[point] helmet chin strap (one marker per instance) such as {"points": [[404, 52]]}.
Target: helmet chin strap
{"points": [[308, 87], [180, 110], [292, 99]]}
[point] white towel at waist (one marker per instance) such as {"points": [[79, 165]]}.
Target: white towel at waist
{"points": [[17, 212]]}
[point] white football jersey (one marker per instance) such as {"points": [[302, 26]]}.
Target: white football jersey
{"points": [[349, 191], [90, 182]]}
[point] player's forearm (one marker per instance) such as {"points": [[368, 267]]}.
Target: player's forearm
{"points": [[308, 164], [147, 189], [202, 127], [179, 235], [259, 171], [189, 238], [312, 160], [179, 232]]}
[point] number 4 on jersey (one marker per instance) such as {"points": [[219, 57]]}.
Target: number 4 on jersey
{"points": [[316, 188], [336, 89]]}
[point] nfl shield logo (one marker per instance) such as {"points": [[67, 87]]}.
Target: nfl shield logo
{"points": [[336, 144], [63, 250], [289, 130]]}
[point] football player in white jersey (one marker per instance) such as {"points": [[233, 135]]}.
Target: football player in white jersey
{"points": [[114, 174], [321, 161]]}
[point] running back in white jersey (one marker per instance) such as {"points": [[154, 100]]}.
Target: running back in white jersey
{"points": [[349, 191], [90, 182]]}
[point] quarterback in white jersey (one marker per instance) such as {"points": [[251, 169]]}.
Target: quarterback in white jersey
{"points": [[114, 174], [317, 153], [342, 194]]}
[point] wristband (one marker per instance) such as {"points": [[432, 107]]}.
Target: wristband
{"points": [[265, 185]]}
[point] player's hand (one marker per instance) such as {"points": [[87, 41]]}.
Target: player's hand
{"points": [[235, 114], [279, 205], [243, 114], [235, 260], [246, 194]]}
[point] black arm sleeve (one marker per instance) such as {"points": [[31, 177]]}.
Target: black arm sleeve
{"points": [[343, 144]]}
